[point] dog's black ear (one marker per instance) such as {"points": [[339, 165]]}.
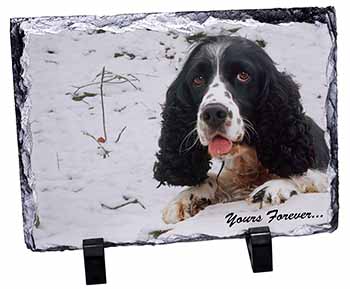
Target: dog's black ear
{"points": [[284, 143], [181, 160]]}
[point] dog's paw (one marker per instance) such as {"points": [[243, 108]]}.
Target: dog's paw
{"points": [[176, 211], [189, 202], [273, 192], [184, 207]]}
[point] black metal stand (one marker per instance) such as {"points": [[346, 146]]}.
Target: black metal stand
{"points": [[94, 260], [259, 243]]}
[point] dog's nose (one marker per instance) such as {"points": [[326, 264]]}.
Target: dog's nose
{"points": [[214, 114]]}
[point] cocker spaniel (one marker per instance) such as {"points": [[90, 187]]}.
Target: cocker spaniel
{"points": [[230, 102]]}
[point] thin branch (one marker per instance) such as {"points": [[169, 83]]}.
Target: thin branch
{"points": [[128, 80], [58, 161], [128, 202], [115, 82], [83, 86], [120, 134], [85, 102], [133, 76], [146, 74], [102, 104], [120, 109], [99, 74], [107, 81]]}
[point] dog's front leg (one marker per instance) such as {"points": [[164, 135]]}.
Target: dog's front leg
{"points": [[190, 201]]}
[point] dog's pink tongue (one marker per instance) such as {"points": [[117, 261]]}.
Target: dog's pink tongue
{"points": [[219, 146]]}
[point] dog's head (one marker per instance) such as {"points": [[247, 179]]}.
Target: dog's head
{"points": [[227, 76], [229, 91]]}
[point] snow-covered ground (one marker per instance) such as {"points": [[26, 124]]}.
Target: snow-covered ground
{"points": [[72, 179]]}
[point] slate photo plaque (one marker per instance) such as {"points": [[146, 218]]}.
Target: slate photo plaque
{"points": [[166, 127]]}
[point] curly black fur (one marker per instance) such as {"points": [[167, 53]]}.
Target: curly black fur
{"points": [[285, 144], [288, 142], [178, 165]]}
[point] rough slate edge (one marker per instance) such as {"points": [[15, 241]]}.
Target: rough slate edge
{"points": [[273, 16]]}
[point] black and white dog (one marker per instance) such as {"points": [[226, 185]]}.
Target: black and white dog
{"points": [[230, 102]]}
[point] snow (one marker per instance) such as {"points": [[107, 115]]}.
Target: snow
{"points": [[71, 177]]}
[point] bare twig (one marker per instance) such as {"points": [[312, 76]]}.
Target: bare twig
{"points": [[126, 198], [105, 152], [127, 80], [108, 80], [58, 161], [115, 82], [85, 102], [102, 104], [146, 74], [128, 202], [120, 134], [133, 76], [83, 86], [99, 74], [120, 109], [51, 61]]}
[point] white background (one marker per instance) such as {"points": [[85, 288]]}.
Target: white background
{"points": [[318, 261]]}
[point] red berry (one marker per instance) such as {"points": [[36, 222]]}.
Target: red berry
{"points": [[101, 139]]}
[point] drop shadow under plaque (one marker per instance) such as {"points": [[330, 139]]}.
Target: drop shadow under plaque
{"points": [[168, 127]]}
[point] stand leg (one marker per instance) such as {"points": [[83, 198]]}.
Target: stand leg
{"points": [[94, 260], [259, 243]]}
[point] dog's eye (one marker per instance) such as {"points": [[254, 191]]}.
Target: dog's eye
{"points": [[243, 76], [198, 81]]}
